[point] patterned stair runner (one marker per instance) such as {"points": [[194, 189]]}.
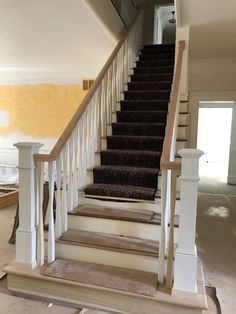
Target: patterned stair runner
{"points": [[130, 165]]}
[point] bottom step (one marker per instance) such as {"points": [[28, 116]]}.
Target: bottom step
{"points": [[103, 276]]}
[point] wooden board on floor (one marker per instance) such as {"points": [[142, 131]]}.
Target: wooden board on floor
{"points": [[111, 242], [8, 197], [103, 276]]}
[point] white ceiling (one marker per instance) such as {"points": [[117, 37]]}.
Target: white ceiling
{"points": [[212, 27]]}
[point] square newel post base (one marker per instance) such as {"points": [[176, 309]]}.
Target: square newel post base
{"points": [[26, 247], [185, 273]]}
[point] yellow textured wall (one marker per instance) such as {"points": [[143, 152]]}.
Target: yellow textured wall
{"points": [[39, 110]]}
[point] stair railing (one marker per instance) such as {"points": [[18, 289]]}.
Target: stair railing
{"points": [[75, 150], [74, 153], [169, 170]]}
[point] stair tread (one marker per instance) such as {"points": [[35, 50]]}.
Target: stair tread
{"points": [[141, 152], [134, 136], [140, 216], [120, 168], [111, 277], [111, 242], [120, 191]]}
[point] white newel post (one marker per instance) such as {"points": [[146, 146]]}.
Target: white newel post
{"points": [[26, 232], [185, 272]]}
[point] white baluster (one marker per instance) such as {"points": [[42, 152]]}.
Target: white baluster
{"points": [[58, 200], [75, 181], [162, 247], [51, 233], [40, 226], [70, 175], [64, 190], [84, 152]]}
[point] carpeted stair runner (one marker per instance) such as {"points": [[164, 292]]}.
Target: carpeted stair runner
{"points": [[130, 165]]}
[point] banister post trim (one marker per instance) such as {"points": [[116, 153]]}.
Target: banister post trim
{"points": [[185, 273], [26, 232]]}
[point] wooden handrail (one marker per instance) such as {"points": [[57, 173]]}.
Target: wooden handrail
{"points": [[166, 163], [53, 155]]}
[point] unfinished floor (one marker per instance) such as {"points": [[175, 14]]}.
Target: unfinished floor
{"points": [[216, 233]]}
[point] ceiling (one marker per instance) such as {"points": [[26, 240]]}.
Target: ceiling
{"points": [[212, 27]]}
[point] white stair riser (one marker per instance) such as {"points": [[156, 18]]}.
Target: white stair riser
{"points": [[106, 257], [182, 132], [114, 119], [183, 107], [184, 118], [141, 205], [117, 227], [180, 145]]}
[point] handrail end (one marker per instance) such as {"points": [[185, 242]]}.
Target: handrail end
{"points": [[44, 157], [170, 165]]}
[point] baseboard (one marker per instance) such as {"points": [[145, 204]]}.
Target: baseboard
{"points": [[231, 180]]}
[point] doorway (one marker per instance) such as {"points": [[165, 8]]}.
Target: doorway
{"points": [[214, 133]]}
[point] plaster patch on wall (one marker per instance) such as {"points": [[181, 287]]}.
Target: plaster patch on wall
{"points": [[4, 118]]}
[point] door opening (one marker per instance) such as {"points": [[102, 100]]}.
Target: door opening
{"points": [[214, 132]]}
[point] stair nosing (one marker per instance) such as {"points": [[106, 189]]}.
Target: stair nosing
{"points": [[110, 247]]}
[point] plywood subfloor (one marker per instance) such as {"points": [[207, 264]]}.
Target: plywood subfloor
{"points": [[128, 280], [111, 242]]}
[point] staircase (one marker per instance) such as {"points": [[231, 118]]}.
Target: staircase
{"points": [[117, 243], [112, 243], [131, 163]]}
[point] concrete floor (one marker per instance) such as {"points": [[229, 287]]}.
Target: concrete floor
{"points": [[215, 239], [216, 233]]}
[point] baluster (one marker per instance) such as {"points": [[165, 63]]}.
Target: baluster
{"points": [[75, 177], [70, 176], [51, 233], [80, 172], [170, 256], [93, 131], [89, 138], [64, 190], [99, 136], [58, 208], [84, 151], [113, 79], [40, 231], [161, 271]]}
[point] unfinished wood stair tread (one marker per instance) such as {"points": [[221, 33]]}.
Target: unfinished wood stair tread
{"points": [[111, 242], [141, 216], [128, 280]]}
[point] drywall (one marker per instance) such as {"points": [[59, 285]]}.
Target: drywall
{"points": [[50, 41], [35, 113], [213, 27], [107, 15], [148, 22]]}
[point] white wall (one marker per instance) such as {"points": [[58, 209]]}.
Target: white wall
{"points": [[51, 40]]}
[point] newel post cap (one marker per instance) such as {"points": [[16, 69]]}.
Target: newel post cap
{"points": [[190, 153], [28, 145]]}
